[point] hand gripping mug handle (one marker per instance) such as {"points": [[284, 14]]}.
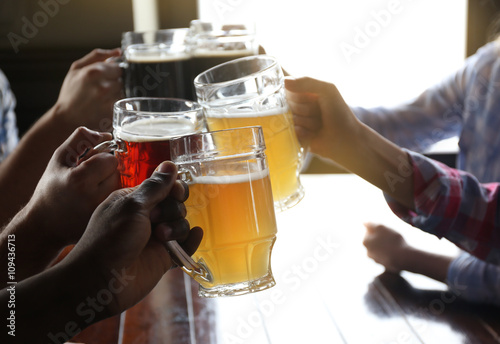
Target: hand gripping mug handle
{"points": [[193, 269], [103, 147], [108, 146], [197, 271], [119, 60]]}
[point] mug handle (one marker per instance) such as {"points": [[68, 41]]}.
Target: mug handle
{"points": [[103, 147], [119, 60], [189, 266], [108, 146]]}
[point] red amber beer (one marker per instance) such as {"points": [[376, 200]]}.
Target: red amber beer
{"points": [[143, 129]]}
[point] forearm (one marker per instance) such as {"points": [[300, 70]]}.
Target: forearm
{"points": [[49, 307], [378, 161], [426, 263], [25, 243], [20, 172]]}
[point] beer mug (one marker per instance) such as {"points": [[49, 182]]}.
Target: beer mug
{"points": [[211, 44], [156, 64], [143, 129], [230, 198], [250, 91]]}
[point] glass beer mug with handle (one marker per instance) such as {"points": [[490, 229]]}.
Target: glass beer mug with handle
{"points": [[156, 64], [211, 43], [250, 91], [230, 198], [143, 129]]}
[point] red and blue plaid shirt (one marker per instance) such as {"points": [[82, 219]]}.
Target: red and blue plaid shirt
{"points": [[453, 204], [466, 104]]}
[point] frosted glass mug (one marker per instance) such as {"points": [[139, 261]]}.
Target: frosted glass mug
{"points": [[230, 198], [250, 91]]}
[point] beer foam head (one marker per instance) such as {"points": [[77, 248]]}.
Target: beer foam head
{"points": [[207, 53], [155, 129], [247, 113], [231, 178], [154, 53]]}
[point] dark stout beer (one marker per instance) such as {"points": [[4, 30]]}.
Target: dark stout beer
{"points": [[153, 73]]}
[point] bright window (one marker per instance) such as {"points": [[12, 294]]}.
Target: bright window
{"points": [[377, 52]]}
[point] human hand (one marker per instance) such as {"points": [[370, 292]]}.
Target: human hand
{"points": [[89, 91], [386, 247], [323, 121], [126, 236], [69, 191], [116, 263]]}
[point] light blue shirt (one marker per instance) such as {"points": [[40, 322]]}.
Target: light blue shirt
{"points": [[467, 105], [8, 129]]}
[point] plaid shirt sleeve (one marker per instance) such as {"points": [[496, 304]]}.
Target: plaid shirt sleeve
{"points": [[452, 204], [475, 280]]}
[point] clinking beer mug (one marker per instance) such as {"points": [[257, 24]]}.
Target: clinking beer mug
{"points": [[230, 198], [156, 64], [230, 192], [143, 129], [211, 44], [250, 91]]}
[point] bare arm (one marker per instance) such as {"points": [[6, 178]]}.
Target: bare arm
{"points": [[388, 248], [117, 262], [86, 99], [325, 123], [21, 170], [444, 198], [428, 264], [61, 205]]}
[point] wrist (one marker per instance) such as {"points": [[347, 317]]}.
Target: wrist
{"points": [[59, 115], [428, 264], [406, 258], [344, 145]]}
